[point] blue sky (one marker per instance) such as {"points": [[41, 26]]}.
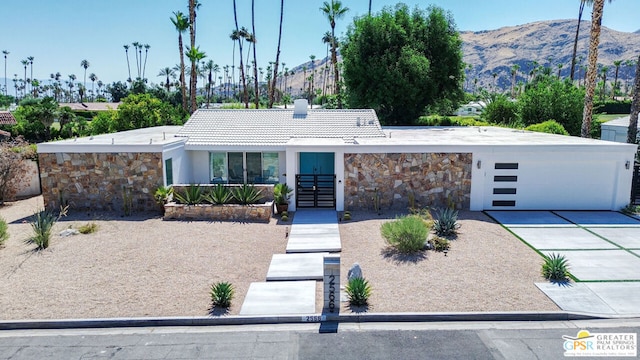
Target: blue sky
{"points": [[60, 34]]}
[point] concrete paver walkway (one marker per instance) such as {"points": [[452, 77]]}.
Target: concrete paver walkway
{"points": [[314, 233], [603, 252]]}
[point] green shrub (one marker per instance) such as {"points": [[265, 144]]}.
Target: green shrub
{"points": [[4, 231], [222, 294], [281, 193], [358, 291], [407, 234], [347, 215], [446, 222], [218, 195], [42, 223], [555, 267], [501, 110], [549, 127], [247, 194], [191, 195], [284, 218], [88, 228], [439, 243], [163, 194], [631, 209], [437, 120]]}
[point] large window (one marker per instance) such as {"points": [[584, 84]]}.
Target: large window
{"points": [[241, 167]]}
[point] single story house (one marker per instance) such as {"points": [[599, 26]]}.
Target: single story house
{"points": [[474, 108], [616, 129], [342, 159]]}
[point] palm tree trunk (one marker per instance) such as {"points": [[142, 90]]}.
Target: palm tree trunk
{"points": [[192, 33], [244, 80], [275, 67], [592, 71], [334, 60], [255, 59], [632, 132], [575, 40], [183, 86]]}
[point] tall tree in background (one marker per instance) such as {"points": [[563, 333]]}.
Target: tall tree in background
{"points": [[5, 53], [195, 55], [146, 52], [167, 72], [617, 64], [275, 70], [85, 65], [334, 10], [136, 45], [25, 63], [181, 24], [575, 40], [126, 52], [30, 58], [632, 131], [399, 61], [256, 84], [240, 37], [93, 79], [592, 67]]}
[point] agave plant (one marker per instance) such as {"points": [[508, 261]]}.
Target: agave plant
{"points": [[42, 222], [247, 194], [555, 267], [190, 196], [163, 194], [358, 291], [219, 195], [446, 222], [222, 294]]}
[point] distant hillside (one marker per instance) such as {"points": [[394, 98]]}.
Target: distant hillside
{"points": [[496, 51]]}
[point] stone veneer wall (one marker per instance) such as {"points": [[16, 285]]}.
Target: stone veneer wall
{"points": [[259, 212], [96, 181], [431, 179]]}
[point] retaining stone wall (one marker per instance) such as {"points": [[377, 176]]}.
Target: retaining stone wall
{"points": [[96, 181], [430, 179], [259, 212]]}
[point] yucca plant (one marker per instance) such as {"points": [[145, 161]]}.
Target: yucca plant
{"points": [[406, 234], [191, 195], [4, 231], [42, 222], [446, 222], [358, 291], [218, 195], [247, 194], [222, 294], [555, 267]]}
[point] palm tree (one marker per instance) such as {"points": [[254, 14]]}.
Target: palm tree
{"points": [[208, 68], [514, 73], [167, 72], [327, 39], [146, 52], [85, 64], [275, 71], [30, 58], [617, 64], [240, 35], [181, 24], [632, 132], [559, 69], [575, 40], [93, 79], [5, 53], [255, 59], [590, 82], [126, 52], [72, 78], [604, 71], [137, 45], [334, 10], [25, 63], [100, 84], [312, 83], [195, 55]]}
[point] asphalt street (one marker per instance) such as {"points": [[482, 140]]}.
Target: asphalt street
{"points": [[447, 340]]}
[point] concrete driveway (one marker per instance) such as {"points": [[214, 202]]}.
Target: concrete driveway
{"points": [[603, 250]]}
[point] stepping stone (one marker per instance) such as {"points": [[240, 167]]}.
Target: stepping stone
{"points": [[296, 267], [280, 298], [313, 244], [529, 218]]}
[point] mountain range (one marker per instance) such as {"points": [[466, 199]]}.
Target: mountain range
{"points": [[549, 43]]}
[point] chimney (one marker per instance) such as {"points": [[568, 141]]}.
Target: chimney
{"points": [[300, 107]]}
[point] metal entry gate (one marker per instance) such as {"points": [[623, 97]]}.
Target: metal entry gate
{"points": [[635, 185], [315, 191]]}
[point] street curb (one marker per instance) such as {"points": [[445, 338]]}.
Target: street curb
{"points": [[294, 319]]}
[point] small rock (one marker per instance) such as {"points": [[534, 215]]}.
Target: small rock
{"points": [[68, 232], [354, 272]]}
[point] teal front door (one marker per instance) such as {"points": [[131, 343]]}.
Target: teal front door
{"points": [[316, 181], [321, 163]]}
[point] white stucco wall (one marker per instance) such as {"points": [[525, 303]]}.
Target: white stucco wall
{"points": [[179, 161]]}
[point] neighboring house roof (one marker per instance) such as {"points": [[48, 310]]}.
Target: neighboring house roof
{"points": [[92, 106], [278, 127], [6, 118]]}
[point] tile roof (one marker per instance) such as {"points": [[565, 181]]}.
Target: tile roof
{"points": [[6, 118], [278, 127]]}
